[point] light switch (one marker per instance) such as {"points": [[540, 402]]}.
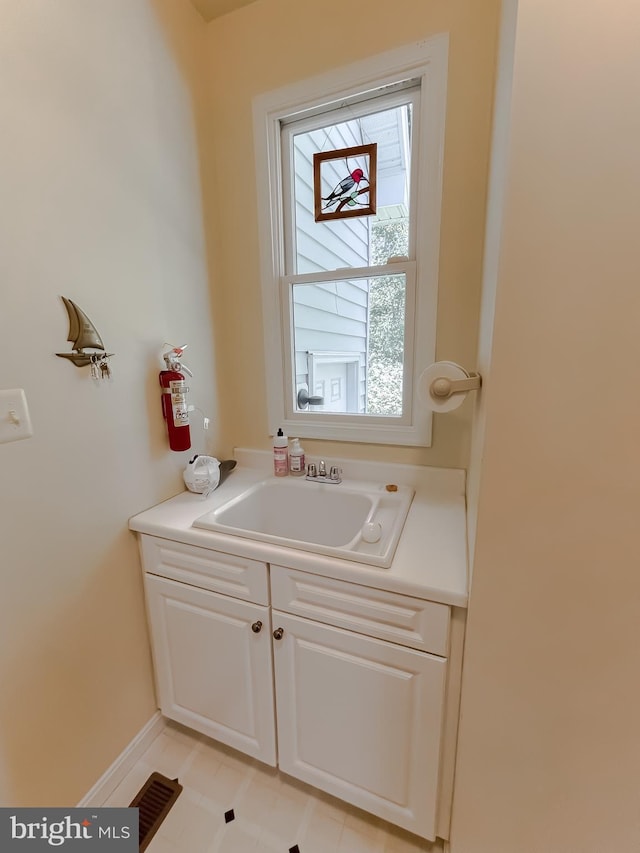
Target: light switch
{"points": [[15, 423]]}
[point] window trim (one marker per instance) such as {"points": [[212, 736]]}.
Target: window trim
{"points": [[425, 60]]}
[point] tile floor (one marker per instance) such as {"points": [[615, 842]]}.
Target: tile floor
{"points": [[273, 813]]}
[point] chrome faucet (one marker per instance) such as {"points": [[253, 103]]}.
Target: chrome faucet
{"points": [[318, 473]]}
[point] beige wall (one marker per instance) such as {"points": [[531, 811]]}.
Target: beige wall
{"points": [[101, 202], [549, 753], [272, 43]]}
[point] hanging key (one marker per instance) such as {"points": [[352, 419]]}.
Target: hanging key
{"points": [[95, 373]]}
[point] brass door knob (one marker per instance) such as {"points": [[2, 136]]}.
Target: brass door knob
{"points": [[256, 627], [277, 634]]}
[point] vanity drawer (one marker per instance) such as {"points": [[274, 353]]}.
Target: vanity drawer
{"points": [[401, 619], [214, 570]]}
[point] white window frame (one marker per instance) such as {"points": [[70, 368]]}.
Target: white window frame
{"points": [[427, 61], [298, 419]]}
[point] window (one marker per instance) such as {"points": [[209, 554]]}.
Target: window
{"points": [[349, 188]]}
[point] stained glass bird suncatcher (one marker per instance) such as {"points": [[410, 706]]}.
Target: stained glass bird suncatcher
{"points": [[345, 182], [345, 192]]}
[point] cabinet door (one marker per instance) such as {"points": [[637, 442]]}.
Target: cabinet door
{"points": [[361, 719], [213, 666]]}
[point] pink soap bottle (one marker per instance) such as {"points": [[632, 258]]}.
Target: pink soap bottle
{"points": [[280, 454]]}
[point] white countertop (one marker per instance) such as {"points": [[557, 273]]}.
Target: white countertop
{"points": [[431, 558]]}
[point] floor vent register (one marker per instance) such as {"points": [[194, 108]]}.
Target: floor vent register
{"points": [[154, 800]]}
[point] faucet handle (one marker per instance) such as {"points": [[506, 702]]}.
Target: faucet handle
{"points": [[334, 473], [312, 471]]}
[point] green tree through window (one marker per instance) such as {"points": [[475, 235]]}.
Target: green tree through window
{"points": [[386, 321]]}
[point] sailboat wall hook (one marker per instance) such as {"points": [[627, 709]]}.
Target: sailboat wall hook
{"points": [[83, 335]]}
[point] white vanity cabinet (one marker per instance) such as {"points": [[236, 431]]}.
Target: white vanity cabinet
{"points": [[354, 679], [358, 716], [212, 652]]}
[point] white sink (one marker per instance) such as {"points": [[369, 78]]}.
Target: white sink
{"points": [[353, 520]]}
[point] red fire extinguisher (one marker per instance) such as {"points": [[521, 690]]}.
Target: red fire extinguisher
{"points": [[174, 399]]}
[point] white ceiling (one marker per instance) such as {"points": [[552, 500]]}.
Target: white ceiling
{"points": [[210, 9]]}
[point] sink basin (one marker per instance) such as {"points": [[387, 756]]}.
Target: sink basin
{"points": [[352, 520]]}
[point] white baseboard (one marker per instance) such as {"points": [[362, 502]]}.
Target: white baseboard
{"points": [[112, 777]]}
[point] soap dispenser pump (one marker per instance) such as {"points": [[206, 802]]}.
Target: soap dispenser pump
{"points": [[296, 458]]}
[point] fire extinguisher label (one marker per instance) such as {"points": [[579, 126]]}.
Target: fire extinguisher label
{"points": [[178, 390]]}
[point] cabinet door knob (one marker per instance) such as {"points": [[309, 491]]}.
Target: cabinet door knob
{"points": [[277, 634], [256, 627]]}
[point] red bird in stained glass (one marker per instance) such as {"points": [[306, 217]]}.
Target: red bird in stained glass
{"points": [[343, 190]]}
